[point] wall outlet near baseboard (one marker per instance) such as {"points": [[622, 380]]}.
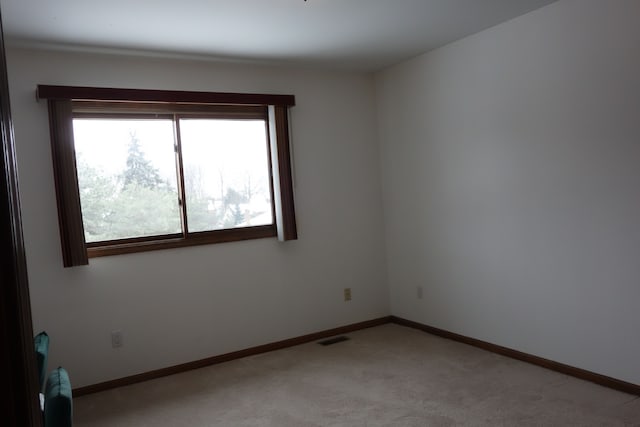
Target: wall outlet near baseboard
{"points": [[116, 339], [347, 294], [419, 292]]}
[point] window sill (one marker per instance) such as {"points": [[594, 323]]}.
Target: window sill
{"points": [[194, 239]]}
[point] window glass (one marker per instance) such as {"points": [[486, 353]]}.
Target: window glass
{"points": [[226, 173], [126, 178]]}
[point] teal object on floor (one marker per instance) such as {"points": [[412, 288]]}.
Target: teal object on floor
{"points": [[41, 342], [58, 405]]}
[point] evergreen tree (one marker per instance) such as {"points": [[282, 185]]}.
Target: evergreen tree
{"points": [[97, 195], [234, 197], [238, 215], [142, 211], [143, 204], [139, 170]]}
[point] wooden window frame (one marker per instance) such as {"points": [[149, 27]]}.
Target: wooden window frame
{"points": [[66, 101]]}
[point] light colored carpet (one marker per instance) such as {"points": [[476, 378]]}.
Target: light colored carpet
{"points": [[384, 376]]}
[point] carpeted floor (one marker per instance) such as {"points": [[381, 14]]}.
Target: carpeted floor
{"points": [[384, 376]]}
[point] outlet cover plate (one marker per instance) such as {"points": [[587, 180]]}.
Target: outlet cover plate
{"points": [[116, 339]]}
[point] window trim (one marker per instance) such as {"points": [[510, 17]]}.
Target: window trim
{"points": [[160, 96], [63, 104]]}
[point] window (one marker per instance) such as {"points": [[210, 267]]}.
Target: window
{"points": [[141, 170]]}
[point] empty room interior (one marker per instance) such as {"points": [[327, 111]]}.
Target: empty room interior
{"points": [[464, 210]]}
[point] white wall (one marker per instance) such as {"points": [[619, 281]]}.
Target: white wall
{"points": [[176, 306], [511, 175]]}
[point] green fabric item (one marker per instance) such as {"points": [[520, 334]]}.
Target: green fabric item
{"points": [[58, 406], [41, 342]]}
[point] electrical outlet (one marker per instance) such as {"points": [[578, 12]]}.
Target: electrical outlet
{"points": [[116, 339], [347, 294], [419, 292]]}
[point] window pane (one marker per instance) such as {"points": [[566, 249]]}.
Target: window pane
{"points": [[127, 178], [226, 173]]}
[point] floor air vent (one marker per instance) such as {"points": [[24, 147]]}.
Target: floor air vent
{"points": [[333, 340]]}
